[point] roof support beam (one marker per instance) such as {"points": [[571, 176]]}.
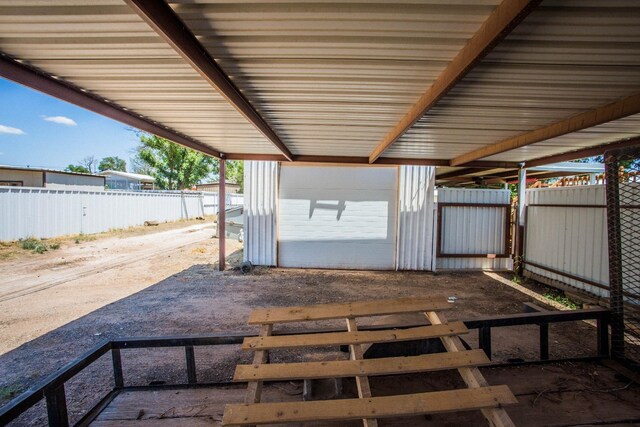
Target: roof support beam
{"points": [[45, 83], [613, 111], [498, 25], [459, 172], [170, 27], [365, 160], [585, 152]]}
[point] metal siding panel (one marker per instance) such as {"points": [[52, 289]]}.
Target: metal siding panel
{"points": [[473, 229], [37, 212], [337, 217], [568, 239], [416, 218], [260, 215]]}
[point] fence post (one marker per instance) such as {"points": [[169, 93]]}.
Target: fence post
{"points": [[615, 254], [191, 364], [118, 377], [57, 407]]}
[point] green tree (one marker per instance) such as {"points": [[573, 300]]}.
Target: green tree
{"points": [[234, 172], [77, 169], [113, 164], [173, 166]]}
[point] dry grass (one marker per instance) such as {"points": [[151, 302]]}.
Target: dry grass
{"points": [[15, 249]]}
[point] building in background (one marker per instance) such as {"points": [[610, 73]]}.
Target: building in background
{"points": [[231, 187], [116, 180], [15, 176]]}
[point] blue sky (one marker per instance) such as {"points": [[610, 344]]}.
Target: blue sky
{"points": [[40, 131]]}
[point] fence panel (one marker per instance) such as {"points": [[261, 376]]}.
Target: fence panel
{"points": [[566, 237], [473, 222], [39, 212]]}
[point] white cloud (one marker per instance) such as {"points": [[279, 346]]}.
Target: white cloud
{"points": [[61, 120], [11, 131]]}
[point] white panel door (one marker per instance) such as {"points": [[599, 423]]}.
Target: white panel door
{"points": [[337, 217]]}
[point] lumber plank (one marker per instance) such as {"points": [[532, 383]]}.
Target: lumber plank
{"points": [[346, 310], [254, 388], [356, 337], [368, 367], [379, 407], [497, 417], [356, 353]]}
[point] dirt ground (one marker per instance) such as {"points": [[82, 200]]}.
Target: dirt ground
{"points": [[167, 283]]}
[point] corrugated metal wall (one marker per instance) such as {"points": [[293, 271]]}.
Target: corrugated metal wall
{"points": [[472, 229], [416, 220], [38, 212], [260, 210], [568, 239]]}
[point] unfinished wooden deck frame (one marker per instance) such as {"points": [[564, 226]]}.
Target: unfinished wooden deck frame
{"points": [[478, 396]]}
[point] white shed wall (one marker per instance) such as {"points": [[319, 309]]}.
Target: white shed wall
{"points": [[416, 220], [65, 181], [260, 209], [571, 240], [468, 230]]}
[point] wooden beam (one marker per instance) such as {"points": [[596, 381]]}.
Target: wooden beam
{"points": [[39, 80], [170, 27], [405, 405], [356, 353], [585, 152], [368, 367], [473, 378], [222, 216], [505, 17], [273, 315], [365, 161], [613, 111], [348, 338]]}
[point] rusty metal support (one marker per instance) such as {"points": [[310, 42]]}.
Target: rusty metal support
{"points": [[222, 205]]}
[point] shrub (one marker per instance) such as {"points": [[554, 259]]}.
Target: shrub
{"points": [[30, 244]]}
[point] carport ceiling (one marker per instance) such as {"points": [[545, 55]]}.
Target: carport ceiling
{"points": [[467, 83]]}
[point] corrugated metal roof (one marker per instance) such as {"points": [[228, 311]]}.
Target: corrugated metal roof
{"points": [[565, 58], [332, 78]]}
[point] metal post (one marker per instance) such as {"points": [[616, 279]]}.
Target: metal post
{"points": [[484, 335], [612, 188], [191, 364], [222, 205], [602, 325], [57, 407], [520, 220], [118, 377], [544, 341]]}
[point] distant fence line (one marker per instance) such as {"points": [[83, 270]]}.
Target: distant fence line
{"points": [[42, 213]]}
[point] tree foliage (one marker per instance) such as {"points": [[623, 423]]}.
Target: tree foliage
{"points": [[173, 166], [77, 169], [234, 172], [112, 163]]}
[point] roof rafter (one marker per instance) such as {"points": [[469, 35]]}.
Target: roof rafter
{"points": [[36, 79], [613, 111], [585, 152], [506, 16], [159, 15]]}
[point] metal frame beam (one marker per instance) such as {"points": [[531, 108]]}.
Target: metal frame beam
{"points": [[585, 152], [606, 113], [506, 16], [36, 79], [159, 16]]}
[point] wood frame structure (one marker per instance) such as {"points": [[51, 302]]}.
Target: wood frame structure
{"points": [[160, 17], [478, 395], [498, 25]]}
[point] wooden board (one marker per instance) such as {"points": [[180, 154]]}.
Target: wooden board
{"points": [[378, 407], [368, 367], [497, 417], [346, 310], [356, 353], [349, 338]]}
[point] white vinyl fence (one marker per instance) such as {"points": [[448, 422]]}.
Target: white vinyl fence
{"points": [[566, 237], [39, 212]]}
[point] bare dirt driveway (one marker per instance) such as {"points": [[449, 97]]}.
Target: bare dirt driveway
{"points": [[39, 293]]}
